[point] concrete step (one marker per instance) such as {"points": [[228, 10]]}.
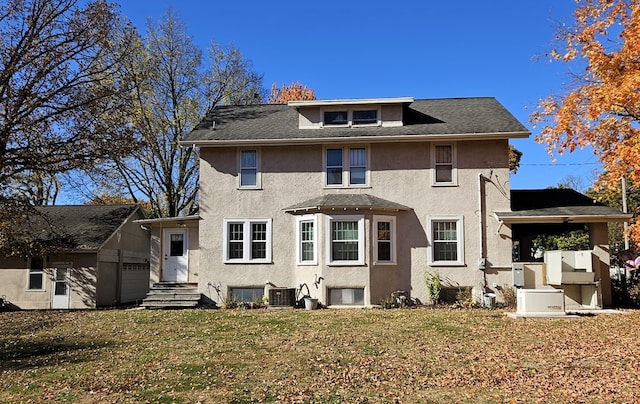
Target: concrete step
{"points": [[172, 295]]}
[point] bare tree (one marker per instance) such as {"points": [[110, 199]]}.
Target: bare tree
{"points": [[173, 90], [60, 79], [230, 79]]}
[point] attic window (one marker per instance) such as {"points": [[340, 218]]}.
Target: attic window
{"points": [[365, 117], [335, 118]]}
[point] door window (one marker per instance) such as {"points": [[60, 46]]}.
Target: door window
{"points": [[61, 282], [176, 248]]}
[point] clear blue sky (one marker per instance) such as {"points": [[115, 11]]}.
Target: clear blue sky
{"points": [[422, 49]]}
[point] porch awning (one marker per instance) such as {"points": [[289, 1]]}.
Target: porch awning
{"points": [[564, 214], [170, 220], [346, 202]]}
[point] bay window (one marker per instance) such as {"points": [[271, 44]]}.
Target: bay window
{"points": [[345, 240], [384, 247], [307, 247]]}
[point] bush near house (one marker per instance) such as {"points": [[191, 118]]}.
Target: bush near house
{"points": [[358, 355]]}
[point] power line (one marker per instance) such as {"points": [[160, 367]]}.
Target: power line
{"points": [[559, 164]]}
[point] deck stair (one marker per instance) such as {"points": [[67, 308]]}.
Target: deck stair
{"points": [[172, 295]]}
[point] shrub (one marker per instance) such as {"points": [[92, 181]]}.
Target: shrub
{"points": [[464, 299], [509, 296], [434, 286], [230, 302]]}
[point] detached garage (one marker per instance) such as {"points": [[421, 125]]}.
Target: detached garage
{"points": [[102, 259]]}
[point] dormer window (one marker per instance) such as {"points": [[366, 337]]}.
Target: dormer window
{"points": [[346, 113], [366, 117], [336, 118], [351, 117]]}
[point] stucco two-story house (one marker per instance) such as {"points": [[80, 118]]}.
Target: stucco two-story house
{"points": [[354, 199]]}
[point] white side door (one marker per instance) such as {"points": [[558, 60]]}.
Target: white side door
{"points": [[176, 265], [61, 286]]}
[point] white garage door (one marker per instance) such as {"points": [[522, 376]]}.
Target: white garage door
{"points": [[135, 282]]}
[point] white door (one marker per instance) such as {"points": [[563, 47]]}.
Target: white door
{"points": [[61, 286], [175, 268]]}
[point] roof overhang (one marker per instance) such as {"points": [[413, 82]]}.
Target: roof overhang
{"points": [[533, 217], [169, 220], [346, 202], [351, 101], [351, 139]]}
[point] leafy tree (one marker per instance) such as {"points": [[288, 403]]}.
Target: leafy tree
{"points": [[292, 92], [574, 240], [172, 92], [60, 80], [514, 159], [611, 194], [602, 109], [118, 200]]}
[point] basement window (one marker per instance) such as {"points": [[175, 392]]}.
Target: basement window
{"points": [[346, 296]]}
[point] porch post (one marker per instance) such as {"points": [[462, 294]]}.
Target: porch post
{"points": [[599, 241]]}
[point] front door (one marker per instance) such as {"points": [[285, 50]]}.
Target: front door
{"points": [[61, 286], [175, 268]]}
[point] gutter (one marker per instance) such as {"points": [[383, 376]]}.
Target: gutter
{"points": [[351, 139]]}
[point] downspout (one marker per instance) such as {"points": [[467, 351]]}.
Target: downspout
{"points": [[481, 243]]}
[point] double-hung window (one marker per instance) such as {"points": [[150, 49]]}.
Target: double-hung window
{"points": [[444, 159], [384, 247], [36, 274], [247, 240], [249, 172], [447, 242], [357, 166], [307, 247], [346, 167], [333, 164], [345, 240]]}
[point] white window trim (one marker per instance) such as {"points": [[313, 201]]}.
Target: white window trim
{"points": [[306, 219], [258, 170], [460, 240], [454, 164], [246, 228], [374, 229], [361, 240], [346, 167]]}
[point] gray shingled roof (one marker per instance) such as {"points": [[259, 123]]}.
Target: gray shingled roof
{"points": [[558, 206], [79, 227], [269, 122], [346, 201]]}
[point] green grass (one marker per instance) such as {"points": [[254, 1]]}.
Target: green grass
{"points": [[324, 356]]}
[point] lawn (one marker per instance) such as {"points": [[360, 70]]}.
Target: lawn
{"points": [[322, 356]]}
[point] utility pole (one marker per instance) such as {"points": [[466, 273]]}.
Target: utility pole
{"points": [[624, 210]]}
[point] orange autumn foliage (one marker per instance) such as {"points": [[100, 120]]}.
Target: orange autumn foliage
{"points": [[292, 92], [603, 109]]}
